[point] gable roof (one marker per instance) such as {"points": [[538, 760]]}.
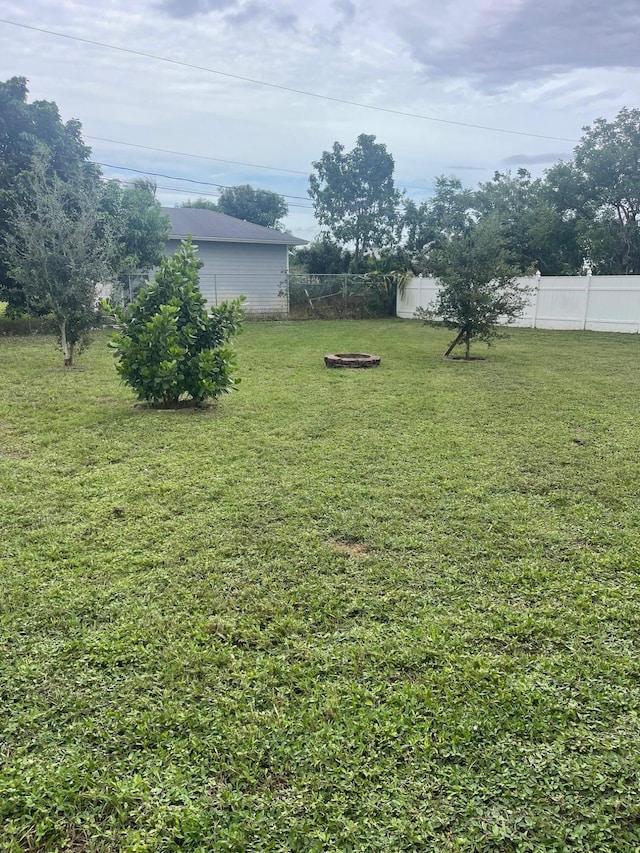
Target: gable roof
{"points": [[205, 224]]}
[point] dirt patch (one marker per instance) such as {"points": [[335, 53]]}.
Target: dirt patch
{"points": [[349, 549], [15, 454]]}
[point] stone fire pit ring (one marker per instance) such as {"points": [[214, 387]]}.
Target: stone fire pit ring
{"points": [[352, 359]]}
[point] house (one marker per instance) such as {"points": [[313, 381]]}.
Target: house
{"points": [[239, 258]]}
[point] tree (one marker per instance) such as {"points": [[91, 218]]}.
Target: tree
{"points": [[139, 226], [582, 232], [203, 203], [321, 257], [354, 196], [531, 225], [436, 220], [478, 288], [169, 349], [260, 206], [29, 130], [607, 161], [537, 234], [143, 229], [58, 248]]}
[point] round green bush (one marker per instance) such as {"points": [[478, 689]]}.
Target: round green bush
{"points": [[170, 350]]}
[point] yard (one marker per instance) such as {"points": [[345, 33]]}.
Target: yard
{"points": [[383, 610]]}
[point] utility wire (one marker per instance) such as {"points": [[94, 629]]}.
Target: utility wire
{"points": [[283, 88], [178, 178], [204, 183], [129, 182], [220, 160], [197, 156]]}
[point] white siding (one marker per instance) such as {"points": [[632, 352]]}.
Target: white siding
{"points": [[255, 270]]}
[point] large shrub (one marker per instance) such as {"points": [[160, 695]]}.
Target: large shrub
{"points": [[170, 350]]}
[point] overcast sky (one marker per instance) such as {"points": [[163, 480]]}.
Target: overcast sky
{"points": [[540, 67]]}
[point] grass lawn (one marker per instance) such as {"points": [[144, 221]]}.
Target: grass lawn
{"points": [[383, 610]]}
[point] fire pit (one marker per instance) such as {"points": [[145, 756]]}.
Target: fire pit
{"points": [[352, 359]]}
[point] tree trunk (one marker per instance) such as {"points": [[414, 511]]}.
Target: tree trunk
{"points": [[67, 349], [454, 344]]}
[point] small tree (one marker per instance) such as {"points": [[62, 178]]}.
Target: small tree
{"points": [[58, 250], [478, 287], [169, 349]]}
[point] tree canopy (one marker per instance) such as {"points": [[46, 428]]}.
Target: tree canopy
{"points": [[606, 176], [262, 207], [587, 207], [354, 196], [140, 230], [321, 257], [57, 248], [202, 203], [446, 213], [36, 146], [28, 131]]}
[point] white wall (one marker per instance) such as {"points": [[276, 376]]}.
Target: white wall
{"points": [[603, 303], [254, 270]]}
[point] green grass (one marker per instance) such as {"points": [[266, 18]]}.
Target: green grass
{"points": [[383, 610]]}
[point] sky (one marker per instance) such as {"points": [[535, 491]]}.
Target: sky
{"points": [[460, 88]]}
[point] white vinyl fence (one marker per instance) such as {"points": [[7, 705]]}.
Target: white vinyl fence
{"points": [[603, 303]]}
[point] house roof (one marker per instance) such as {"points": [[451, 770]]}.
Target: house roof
{"points": [[205, 224]]}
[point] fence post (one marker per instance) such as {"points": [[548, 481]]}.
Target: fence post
{"points": [[535, 299], [586, 298]]}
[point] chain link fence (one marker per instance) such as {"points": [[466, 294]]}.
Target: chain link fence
{"points": [[343, 295], [296, 295]]}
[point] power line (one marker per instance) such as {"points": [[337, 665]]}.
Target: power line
{"points": [[220, 160], [207, 183], [185, 180], [196, 156], [283, 88], [128, 182]]}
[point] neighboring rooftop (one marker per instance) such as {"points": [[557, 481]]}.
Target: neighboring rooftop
{"points": [[205, 224]]}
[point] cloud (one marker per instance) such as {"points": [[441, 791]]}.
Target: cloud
{"points": [[348, 9], [468, 168], [532, 159], [234, 12], [500, 42], [257, 12], [184, 9]]}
